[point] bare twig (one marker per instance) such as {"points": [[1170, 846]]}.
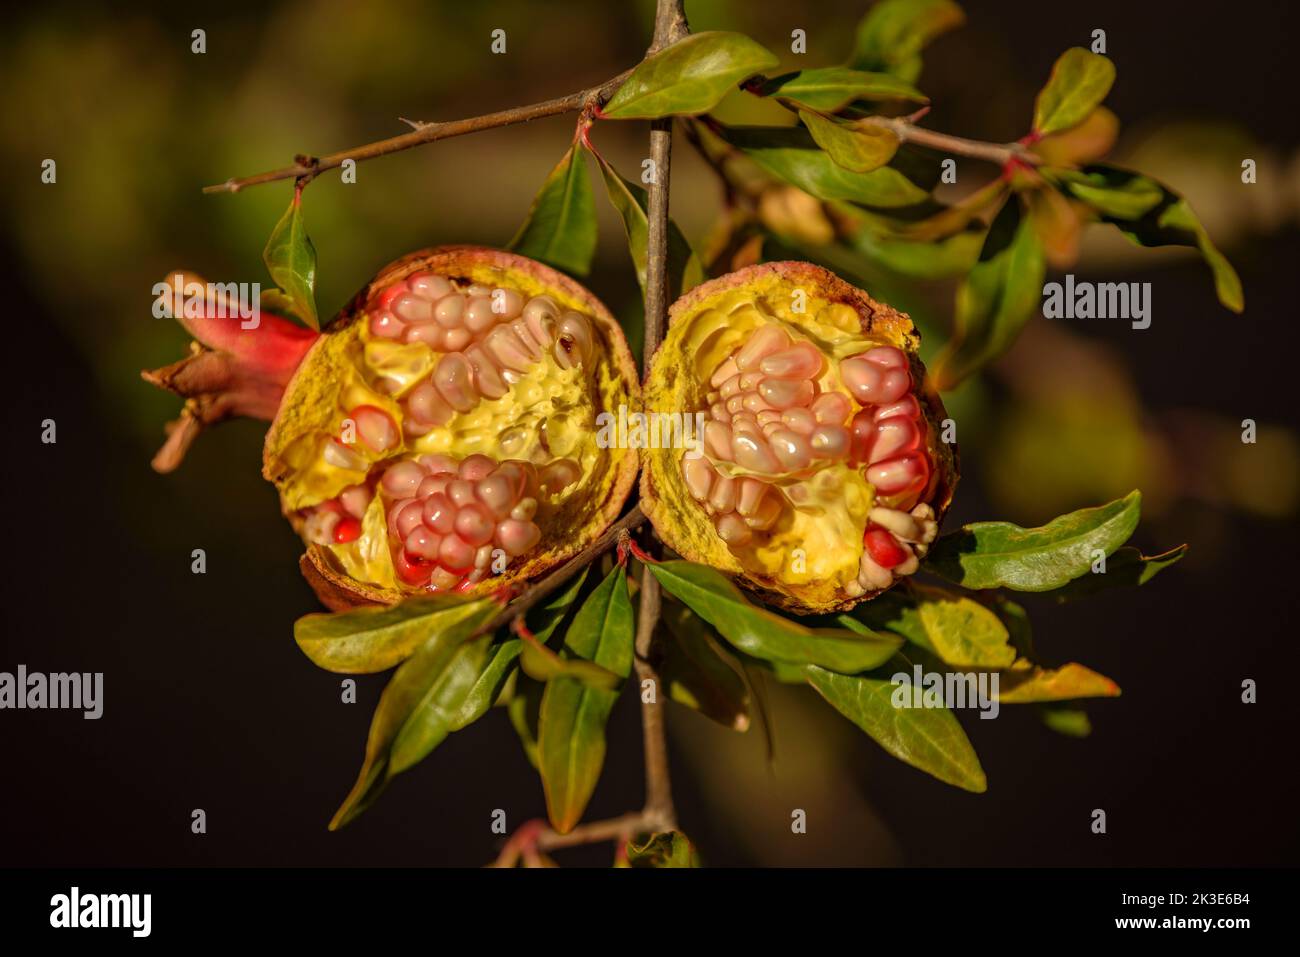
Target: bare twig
{"points": [[907, 132], [428, 133]]}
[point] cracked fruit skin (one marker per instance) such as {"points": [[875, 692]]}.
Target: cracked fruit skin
{"points": [[821, 478], [438, 436]]}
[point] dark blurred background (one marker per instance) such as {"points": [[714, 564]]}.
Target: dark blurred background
{"points": [[208, 702]]}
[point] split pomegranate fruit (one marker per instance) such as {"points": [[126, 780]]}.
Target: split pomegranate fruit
{"points": [[438, 436], [442, 435], [822, 477]]}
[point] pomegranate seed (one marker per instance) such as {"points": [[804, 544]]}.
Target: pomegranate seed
{"points": [[347, 530], [884, 548]]}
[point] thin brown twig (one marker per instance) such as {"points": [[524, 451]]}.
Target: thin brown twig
{"points": [[998, 153], [428, 133]]}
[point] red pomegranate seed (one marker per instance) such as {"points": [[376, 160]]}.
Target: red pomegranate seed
{"points": [[347, 530], [883, 548]]}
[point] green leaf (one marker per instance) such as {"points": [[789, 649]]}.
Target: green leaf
{"points": [[684, 267], [893, 33], [376, 638], [525, 709], [418, 708], [1170, 222], [1002, 291], [860, 149], [561, 226], [1079, 82], [953, 256], [1114, 196], [945, 221], [689, 77], [543, 664], [698, 673], [498, 668], [791, 154], [830, 89], [929, 739], [1003, 555], [291, 260], [571, 726], [545, 620], [764, 634], [1016, 620], [665, 849], [1126, 567], [524, 706]]}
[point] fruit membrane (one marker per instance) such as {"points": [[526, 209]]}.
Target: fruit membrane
{"points": [[440, 435], [822, 477]]}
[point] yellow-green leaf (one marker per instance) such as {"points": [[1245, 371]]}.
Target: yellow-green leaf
{"points": [[1079, 82], [1027, 683], [665, 849], [376, 638], [860, 148], [1063, 719], [791, 154], [543, 664]]}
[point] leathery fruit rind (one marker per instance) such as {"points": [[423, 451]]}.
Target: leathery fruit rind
{"points": [[380, 366], [763, 352]]}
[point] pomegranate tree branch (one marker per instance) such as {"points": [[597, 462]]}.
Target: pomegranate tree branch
{"points": [[908, 132], [535, 836], [608, 539], [429, 133], [670, 26]]}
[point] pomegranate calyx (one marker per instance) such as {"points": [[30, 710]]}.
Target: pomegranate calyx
{"points": [[232, 370]]}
